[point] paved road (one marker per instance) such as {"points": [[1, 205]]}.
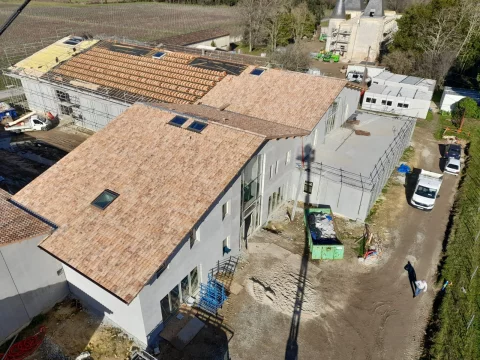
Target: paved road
{"points": [[6, 94], [382, 320]]}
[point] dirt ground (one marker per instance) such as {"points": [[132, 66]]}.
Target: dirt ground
{"points": [[327, 69], [72, 330], [343, 309]]}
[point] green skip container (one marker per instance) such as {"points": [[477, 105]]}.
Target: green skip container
{"points": [[322, 235]]}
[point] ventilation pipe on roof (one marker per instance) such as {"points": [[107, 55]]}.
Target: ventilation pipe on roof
{"points": [[339, 11]]}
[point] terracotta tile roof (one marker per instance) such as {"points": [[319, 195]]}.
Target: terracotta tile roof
{"points": [[169, 79], [16, 224], [167, 178], [284, 97], [194, 37], [251, 124]]}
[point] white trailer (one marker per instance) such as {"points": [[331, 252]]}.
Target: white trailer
{"points": [[426, 190]]}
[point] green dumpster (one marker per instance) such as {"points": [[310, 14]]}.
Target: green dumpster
{"points": [[322, 235]]}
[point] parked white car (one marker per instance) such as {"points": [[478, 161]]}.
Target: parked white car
{"points": [[452, 166], [426, 190]]}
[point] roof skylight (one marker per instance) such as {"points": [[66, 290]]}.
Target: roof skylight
{"points": [[257, 71], [197, 126], [178, 121], [158, 55], [104, 199], [73, 41]]}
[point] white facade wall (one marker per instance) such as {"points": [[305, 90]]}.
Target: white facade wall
{"points": [[416, 107], [222, 42], [30, 283], [206, 251], [142, 319], [128, 317], [91, 112]]}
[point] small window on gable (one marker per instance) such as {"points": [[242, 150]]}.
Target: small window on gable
{"points": [[384, 102], [368, 99], [178, 121], [105, 199], [374, 101], [257, 71], [197, 126], [389, 103], [405, 106], [308, 187], [225, 209], [400, 105]]}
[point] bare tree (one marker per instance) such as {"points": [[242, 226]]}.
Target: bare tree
{"points": [[274, 20], [294, 58]]}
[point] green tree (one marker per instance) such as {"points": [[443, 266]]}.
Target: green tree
{"points": [[466, 106]]}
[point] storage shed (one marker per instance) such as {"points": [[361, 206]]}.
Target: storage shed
{"points": [[452, 95]]}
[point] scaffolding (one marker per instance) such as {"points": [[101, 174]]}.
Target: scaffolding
{"points": [[212, 295]]}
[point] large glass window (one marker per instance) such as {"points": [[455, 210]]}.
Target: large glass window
{"points": [[174, 299], [185, 288], [194, 280], [331, 118], [165, 305]]}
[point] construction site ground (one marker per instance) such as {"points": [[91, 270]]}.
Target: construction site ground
{"points": [[345, 309], [72, 330]]}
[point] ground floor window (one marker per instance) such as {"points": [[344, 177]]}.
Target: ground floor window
{"points": [[180, 293]]}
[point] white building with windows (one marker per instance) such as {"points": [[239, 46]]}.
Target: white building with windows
{"points": [[147, 207], [399, 94]]}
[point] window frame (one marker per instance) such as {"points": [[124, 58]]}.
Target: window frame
{"points": [[389, 102], [400, 105], [111, 192], [178, 117], [374, 100], [368, 99], [225, 209]]}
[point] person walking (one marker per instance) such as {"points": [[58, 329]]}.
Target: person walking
{"points": [[420, 285]]}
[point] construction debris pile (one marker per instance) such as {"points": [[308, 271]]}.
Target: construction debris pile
{"points": [[321, 227], [373, 247]]}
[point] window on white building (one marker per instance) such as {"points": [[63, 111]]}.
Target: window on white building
{"points": [[384, 102], [389, 103], [276, 166], [374, 101], [225, 209], [272, 169], [368, 99], [287, 160], [405, 106], [400, 105], [315, 137]]}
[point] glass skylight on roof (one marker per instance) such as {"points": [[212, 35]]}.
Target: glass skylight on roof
{"points": [[257, 71], [104, 199], [158, 55], [73, 41], [178, 121], [197, 126]]}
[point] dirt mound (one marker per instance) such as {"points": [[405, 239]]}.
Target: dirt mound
{"points": [[279, 289]]}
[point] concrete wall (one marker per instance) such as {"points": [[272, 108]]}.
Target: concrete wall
{"points": [[368, 33], [416, 107], [128, 317], [204, 254], [90, 112], [222, 42], [345, 200], [29, 284]]}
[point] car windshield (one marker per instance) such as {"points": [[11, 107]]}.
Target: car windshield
{"points": [[425, 192], [453, 166]]}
